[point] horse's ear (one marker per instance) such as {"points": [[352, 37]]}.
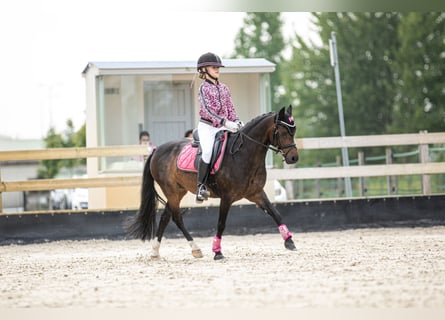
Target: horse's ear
{"points": [[289, 110], [281, 113]]}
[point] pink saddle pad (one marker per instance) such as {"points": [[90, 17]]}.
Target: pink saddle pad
{"points": [[186, 158]]}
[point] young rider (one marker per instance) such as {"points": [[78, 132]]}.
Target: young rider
{"points": [[216, 113]]}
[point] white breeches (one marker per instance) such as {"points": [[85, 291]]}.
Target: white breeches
{"points": [[207, 138]]}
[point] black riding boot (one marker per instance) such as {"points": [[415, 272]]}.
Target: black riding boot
{"points": [[202, 193]]}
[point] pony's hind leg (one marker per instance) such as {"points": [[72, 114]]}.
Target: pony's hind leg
{"points": [[177, 219], [163, 222], [224, 207]]}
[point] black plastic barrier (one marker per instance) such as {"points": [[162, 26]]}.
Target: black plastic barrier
{"points": [[243, 219]]}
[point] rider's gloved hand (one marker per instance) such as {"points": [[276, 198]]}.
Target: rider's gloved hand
{"points": [[231, 126]]}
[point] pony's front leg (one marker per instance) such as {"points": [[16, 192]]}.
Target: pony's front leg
{"points": [[216, 248], [287, 237], [263, 202]]}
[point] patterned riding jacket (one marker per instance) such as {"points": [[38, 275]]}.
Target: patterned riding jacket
{"points": [[216, 104]]}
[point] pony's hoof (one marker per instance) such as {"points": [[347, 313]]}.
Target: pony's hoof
{"points": [[289, 244], [218, 256], [155, 257], [197, 253]]}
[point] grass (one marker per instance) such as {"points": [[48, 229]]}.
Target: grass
{"points": [[373, 187]]}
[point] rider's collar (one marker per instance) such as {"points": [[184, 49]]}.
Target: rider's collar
{"points": [[211, 82]]}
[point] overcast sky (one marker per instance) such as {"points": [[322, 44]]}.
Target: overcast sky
{"points": [[46, 44]]}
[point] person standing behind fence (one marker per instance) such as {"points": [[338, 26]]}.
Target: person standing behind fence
{"points": [[188, 134], [144, 139]]}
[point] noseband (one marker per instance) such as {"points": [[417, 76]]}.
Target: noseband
{"points": [[276, 140]]}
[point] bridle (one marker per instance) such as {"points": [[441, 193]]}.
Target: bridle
{"points": [[275, 140]]}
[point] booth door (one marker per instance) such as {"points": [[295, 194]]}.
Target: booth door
{"points": [[167, 110]]}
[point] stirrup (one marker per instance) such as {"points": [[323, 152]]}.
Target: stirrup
{"points": [[202, 194]]}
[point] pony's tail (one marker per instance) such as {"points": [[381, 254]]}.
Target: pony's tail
{"points": [[143, 224]]}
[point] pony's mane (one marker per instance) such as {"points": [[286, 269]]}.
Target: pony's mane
{"points": [[259, 118]]}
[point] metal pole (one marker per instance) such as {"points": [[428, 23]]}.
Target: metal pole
{"points": [[344, 150]]}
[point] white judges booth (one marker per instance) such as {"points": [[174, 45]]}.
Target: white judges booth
{"points": [[124, 98]]}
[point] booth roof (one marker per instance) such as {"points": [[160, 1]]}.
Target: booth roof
{"points": [[259, 65]]}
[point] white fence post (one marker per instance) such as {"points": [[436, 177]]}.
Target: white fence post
{"points": [[340, 183], [390, 179], [424, 157], [361, 162], [288, 184]]}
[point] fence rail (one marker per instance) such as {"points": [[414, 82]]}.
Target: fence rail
{"points": [[50, 184], [72, 153], [371, 141], [421, 139], [356, 171]]}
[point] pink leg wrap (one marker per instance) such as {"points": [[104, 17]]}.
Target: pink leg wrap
{"points": [[216, 246], [284, 231]]}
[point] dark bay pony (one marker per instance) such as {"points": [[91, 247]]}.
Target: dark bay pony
{"points": [[242, 175]]}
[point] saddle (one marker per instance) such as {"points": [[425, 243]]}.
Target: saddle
{"points": [[190, 155]]}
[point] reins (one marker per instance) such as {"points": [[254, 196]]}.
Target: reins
{"points": [[278, 149]]}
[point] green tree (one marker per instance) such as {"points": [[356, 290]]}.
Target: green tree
{"points": [[420, 73], [366, 43], [49, 168], [309, 86], [261, 37], [392, 70], [70, 138]]}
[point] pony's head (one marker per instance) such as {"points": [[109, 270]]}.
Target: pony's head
{"points": [[284, 133]]}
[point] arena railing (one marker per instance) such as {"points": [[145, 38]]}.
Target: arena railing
{"points": [[424, 167]]}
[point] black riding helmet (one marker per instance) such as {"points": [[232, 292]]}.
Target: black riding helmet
{"points": [[209, 59]]}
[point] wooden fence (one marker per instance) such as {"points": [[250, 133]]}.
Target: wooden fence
{"points": [[423, 140]]}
